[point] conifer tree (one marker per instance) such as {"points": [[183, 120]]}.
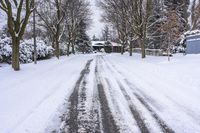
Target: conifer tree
{"points": [[83, 40]]}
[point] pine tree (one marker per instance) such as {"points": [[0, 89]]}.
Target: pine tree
{"points": [[157, 33], [181, 7], [106, 33], [83, 40], [155, 37]]}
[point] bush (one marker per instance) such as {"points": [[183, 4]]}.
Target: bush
{"points": [[5, 49], [63, 49], [26, 50]]}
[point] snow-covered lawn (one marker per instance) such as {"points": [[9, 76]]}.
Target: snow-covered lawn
{"points": [[31, 98], [171, 88]]}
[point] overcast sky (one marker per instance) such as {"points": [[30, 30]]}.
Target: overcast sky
{"points": [[96, 26]]}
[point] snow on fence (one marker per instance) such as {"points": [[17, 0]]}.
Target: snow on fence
{"points": [[154, 52]]}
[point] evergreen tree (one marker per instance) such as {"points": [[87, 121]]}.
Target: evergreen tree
{"points": [[155, 36], [106, 33], [181, 7], [161, 21], [83, 43]]}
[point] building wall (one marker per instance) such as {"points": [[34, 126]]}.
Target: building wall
{"points": [[193, 45], [116, 49]]}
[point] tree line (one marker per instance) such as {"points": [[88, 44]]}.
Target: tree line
{"points": [[154, 24], [59, 20]]}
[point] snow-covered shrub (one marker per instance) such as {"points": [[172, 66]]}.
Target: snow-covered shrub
{"points": [[43, 50], [26, 50], [26, 53], [63, 49], [5, 49]]}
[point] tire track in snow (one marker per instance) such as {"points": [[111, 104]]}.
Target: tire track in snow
{"points": [[164, 127], [137, 116], [135, 113], [78, 119], [108, 122], [98, 118]]}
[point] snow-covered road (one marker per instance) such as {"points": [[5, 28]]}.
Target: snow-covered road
{"points": [[102, 93]]}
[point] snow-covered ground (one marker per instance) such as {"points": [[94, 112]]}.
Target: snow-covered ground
{"points": [[164, 94], [29, 98], [172, 88]]}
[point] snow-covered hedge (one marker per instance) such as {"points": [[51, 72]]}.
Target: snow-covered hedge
{"points": [[63, 49], [26, 50], [5, 49]]}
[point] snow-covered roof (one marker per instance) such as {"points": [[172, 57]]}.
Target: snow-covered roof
{"points": [[192, 33], [115, 44], [98, 43], [102, 43], [189, 35]]}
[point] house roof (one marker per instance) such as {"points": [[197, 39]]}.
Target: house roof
{"points": [[192, 33], [102, 43], [98, 43], [115, 44]]}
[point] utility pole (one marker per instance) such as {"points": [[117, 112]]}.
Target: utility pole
{"points": [[34, 34]]}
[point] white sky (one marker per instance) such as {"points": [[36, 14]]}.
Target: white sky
{"points": [[2, 19], [96, 26]]}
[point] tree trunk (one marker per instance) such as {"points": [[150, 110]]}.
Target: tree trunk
{"points": [[15, 54], [57, 52], [53, 43], [122, 49], [58, 29], [73, 49], [142, 47], [168, 47], [83, 49], [68, 46], [131, 48]]}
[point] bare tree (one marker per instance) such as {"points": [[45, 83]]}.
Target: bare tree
{"points": [[140, 12], [131, 19], [171, 28], [195, 15], [52, 15], [17, 23], [76, 11], [115, 13], [106, 33]]}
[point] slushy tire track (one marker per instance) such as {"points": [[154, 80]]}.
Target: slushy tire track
{"points": [[108, 122], [98, 119], [77, 105]]}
